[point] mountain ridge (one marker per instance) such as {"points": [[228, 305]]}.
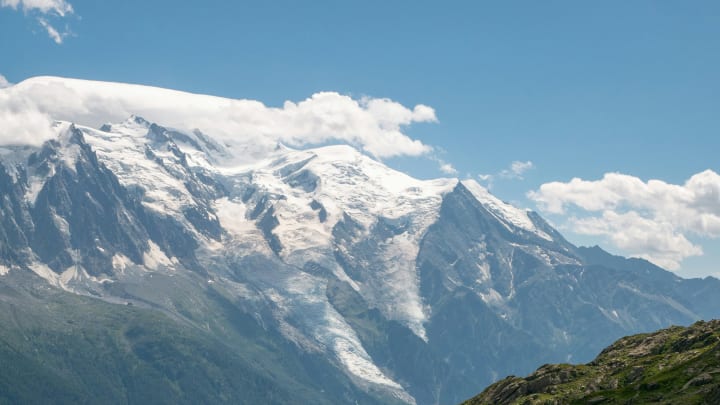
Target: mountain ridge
{"points": [[417, 290]]}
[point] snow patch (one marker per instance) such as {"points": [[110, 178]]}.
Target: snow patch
{"points": [[76, 274], [121, 263], [484, 269], [492, 297], [61, 224], [34, 187], [46, 273], [68, 275], [155, 258], [69, 156], [231, 215], [398, 291]]}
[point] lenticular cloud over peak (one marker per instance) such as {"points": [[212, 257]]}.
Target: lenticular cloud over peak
{"points": [[372, 124]]}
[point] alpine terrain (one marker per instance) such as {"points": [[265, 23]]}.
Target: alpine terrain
{"points": [[140, 262], [673, 366]]}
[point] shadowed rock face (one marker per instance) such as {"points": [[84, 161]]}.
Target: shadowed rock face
{"points": [[674, 366], [83, 208], [16, 223], [82, 215]]}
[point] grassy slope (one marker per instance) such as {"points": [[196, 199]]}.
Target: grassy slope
{"points": [[672, 366], [61, 348]]}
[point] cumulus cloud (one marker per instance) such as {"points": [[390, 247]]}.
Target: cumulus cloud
{"points": [[374, 125], [44, 9], [652, 219], [649, 238]]}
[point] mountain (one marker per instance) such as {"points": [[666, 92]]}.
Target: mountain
{"points": [[677, 365], [321, 273], [65, 349]]}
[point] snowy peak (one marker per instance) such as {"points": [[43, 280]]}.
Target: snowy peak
{"points": [[311, 190], [171, 170], [301, 201], [410, 287], [195, 144], [512, 217]]}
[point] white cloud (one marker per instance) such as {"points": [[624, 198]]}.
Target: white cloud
{"points": [[391, 114], [447, 168], [52, 32], [58, 7], [657, 241], [652, 219], [20, 121], [24, 127], [443, 166], [375, 125], [514, 172], [46, 9], [487, 180]]}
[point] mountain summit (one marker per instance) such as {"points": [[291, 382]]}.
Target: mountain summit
{"points": [[416, 291]]}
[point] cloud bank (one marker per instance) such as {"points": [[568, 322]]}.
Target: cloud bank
{"points": [[375, 125], [652, 219], [43, 10]]}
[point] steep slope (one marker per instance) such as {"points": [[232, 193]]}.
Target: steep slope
{"points": [[672, 366], [378, 286], [68, 349]]}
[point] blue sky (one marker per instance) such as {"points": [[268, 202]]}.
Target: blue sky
{"points": [[578, 89]]}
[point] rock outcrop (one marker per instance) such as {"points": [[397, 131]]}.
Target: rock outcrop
{"points": [[672, 366]]}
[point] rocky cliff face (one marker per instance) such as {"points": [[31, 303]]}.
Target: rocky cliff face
{"points": [[672, 366], [408, 290]]}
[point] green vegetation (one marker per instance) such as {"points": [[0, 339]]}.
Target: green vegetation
{"points": [[673, 366], [62, 348]]}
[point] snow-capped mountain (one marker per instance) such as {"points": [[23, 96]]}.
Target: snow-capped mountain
{"points": [[418, 291]]}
